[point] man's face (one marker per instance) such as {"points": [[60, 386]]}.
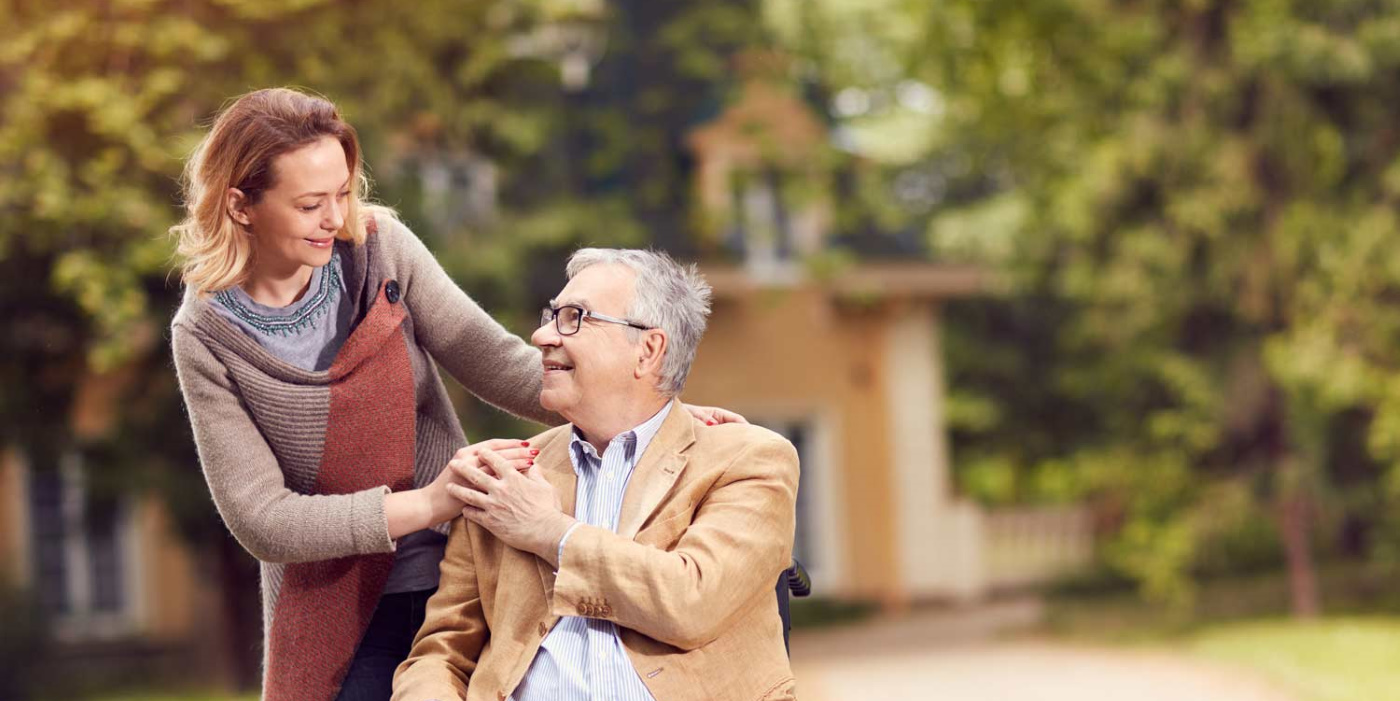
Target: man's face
{"points": [[584, 370]]}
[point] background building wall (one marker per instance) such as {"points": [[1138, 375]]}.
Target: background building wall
{"points": [[789, 352]]}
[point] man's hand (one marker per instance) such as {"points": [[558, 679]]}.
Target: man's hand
{"points": [[523, 510]]}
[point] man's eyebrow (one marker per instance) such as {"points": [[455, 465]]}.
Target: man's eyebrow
{"points": [[581, 302]]}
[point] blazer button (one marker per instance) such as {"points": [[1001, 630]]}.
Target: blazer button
{"points": [[582, 609], [543, 628], [500, 696], [391, 291]]}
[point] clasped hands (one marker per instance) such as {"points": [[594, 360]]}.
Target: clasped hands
{"points": [[503, 491]]}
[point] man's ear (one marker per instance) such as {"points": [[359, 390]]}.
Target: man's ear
{"points": [[236, 204], [652, 352]]}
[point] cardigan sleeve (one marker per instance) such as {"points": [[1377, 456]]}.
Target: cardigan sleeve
{"points": [[491, 362], [272, 522]]}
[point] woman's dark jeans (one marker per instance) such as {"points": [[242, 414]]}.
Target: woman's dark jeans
{"points": [[396, 620]]}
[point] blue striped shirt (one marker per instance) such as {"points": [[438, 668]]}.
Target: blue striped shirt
{"points": [[582, 659]]}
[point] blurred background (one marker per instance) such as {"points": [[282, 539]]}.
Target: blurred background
{"points": [[1084, 315]]}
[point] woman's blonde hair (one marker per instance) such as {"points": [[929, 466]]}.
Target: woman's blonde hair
{"points": [[246, 137]]}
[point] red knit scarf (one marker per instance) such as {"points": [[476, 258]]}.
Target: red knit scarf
{"points": [[324, 607]]}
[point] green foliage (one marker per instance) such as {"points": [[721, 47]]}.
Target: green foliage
{"points": [[1194, 205]]}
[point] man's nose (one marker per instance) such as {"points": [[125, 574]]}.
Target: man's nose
{"points": [[545, 335]]}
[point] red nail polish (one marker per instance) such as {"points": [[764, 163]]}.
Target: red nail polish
{"points": [[534, 452], [709, 423], [525, 444]]}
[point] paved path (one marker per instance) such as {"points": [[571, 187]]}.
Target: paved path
{"points": [[959, 657]]}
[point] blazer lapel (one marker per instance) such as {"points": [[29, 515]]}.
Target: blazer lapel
{"points": [[661, 464], [554, 462]]}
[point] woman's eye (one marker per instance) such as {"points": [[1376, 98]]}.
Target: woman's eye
{"points": [[344, 195], [309, 208]]}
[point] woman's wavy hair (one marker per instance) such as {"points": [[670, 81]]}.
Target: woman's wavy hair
{"points": [[251, 132]]}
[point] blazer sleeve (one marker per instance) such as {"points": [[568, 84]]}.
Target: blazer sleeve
{"points": [[490, 361], [272, 522], [449, 644], [738, 541]]}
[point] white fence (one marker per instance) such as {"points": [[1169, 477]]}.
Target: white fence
{"points": [[1026, 546]]}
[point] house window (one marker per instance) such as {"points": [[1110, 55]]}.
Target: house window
{"points": [[48, 526], [815, 537], [760, 231], [81, 552]]}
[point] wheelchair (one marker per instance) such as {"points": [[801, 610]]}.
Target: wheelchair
{"points": [[794, 581]]}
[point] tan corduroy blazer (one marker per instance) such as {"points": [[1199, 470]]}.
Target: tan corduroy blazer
{"points": [[706, 527]]}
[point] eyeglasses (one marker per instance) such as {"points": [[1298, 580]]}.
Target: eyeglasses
{"points": [[568, 319]]}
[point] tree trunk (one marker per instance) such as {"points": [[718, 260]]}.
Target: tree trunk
{"points": [[1295, 525], [1286, 443]]}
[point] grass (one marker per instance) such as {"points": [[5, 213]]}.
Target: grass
{"points": [[1332, 659], [1351, 654]]}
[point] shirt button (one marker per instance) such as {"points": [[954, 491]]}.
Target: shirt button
{"points": [[391, 291]]}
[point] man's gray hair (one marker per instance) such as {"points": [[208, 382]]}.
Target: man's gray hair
{"points": [[669, 296]]}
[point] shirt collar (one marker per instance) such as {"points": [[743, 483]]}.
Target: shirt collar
{"points": [[634, 441]]}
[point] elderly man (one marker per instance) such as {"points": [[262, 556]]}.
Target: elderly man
{"points": [[635, 560]]}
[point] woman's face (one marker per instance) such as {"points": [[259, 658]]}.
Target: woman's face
{"points": [[296, 221]]}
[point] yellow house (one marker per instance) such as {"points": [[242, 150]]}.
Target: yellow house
{"points": [[849, 370], [843, 356]]}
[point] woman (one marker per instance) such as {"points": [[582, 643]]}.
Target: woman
{"points": [[305, 349]]}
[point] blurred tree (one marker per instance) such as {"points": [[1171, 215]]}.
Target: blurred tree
{"points": [[1195, 201]]}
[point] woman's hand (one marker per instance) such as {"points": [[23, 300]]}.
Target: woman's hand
{"points": [[714, 415], [416, 509]]}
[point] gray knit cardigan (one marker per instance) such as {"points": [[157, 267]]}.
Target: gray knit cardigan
{"points": [[260, 423]]}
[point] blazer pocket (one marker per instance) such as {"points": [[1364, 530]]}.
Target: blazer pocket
{"points": [[667, 529]]}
